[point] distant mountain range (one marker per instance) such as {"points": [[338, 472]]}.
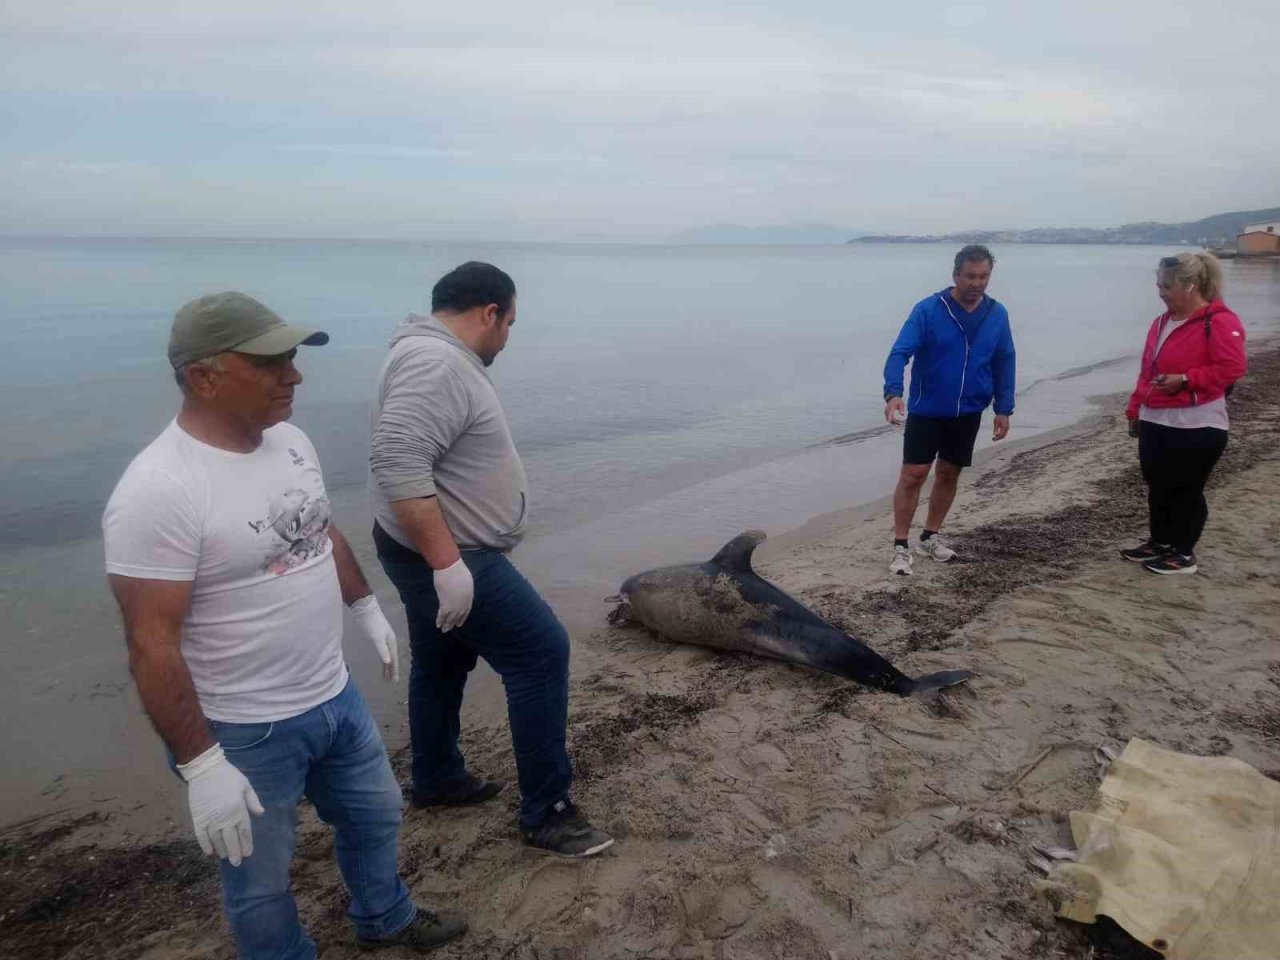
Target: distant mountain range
{"points": [[785, 233], [1220, 229]]}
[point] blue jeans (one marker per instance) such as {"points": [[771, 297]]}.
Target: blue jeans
{"points": [[517, 633], [333, 755]]}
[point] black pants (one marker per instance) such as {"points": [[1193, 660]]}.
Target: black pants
{"points": [[1176, 464]]}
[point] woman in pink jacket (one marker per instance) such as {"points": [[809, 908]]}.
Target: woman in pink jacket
{"points": [[1178, 411]]}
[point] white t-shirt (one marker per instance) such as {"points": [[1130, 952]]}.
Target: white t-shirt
{"points": [[1211, 414], [263, 637]]}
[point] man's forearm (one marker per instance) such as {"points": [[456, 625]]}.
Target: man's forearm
{"points": [[423, 521], [351, 580], [169, 697]]}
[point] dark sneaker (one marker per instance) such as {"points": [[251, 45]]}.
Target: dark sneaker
{"points": [[1147, 551], [426, 931], [471, 791], [1172, 563], [566, 834]]}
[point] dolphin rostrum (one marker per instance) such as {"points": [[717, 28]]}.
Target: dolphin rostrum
{"points": [[725, 604]]}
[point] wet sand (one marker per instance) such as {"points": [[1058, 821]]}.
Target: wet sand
{"points": [[764, 810]]}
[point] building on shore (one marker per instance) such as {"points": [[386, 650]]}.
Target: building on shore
{"points": [[1259, 238]]}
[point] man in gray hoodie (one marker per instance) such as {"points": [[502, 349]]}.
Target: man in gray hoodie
{"points": [[451, 501]]}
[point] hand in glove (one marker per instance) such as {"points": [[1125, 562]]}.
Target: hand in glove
{"points": [[369, 618], [455, 590], [221, 799]]}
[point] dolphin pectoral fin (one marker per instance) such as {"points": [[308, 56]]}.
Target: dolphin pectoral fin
{"points": [[933, 682], [736, 554]]}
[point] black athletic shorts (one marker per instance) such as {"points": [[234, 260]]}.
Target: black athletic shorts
{"points": [[944, 438]]}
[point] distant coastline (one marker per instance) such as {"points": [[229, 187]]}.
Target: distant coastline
{"points": [[1013, 236], [1218, 231]]}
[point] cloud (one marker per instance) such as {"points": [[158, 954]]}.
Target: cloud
{"points": [[634, 118], [377, 150], [73, 167]]}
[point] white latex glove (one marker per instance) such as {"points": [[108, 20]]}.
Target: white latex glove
{"points": [[455, 589], [221, 799], [369, 618]]}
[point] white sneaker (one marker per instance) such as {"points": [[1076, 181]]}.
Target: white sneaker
{"points": [[901, 561], [935, 548]]}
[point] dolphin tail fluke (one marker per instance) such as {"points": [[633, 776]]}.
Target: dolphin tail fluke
{"points": [[933, 682]]}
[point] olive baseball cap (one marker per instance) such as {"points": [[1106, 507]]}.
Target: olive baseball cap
{"points": [[233, 321]]}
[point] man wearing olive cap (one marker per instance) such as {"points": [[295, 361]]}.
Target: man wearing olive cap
{"points": [[231, 580]]}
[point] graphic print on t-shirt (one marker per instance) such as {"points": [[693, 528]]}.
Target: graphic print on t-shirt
{"points": [[298, 520]]}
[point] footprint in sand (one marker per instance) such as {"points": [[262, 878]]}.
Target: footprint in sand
{"points": [[548, 891]]}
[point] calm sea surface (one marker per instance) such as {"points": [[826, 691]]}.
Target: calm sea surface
{"points": [[663, 399]]}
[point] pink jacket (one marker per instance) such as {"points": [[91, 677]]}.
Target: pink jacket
{"points": [[1208, 348]]}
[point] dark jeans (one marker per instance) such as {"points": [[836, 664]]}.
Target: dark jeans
{"points": [[517, 633], [1176, 464]]}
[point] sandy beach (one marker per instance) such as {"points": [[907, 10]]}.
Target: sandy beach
{"points": [[767, 811]]}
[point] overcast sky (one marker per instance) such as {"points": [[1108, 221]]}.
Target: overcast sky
{"points": [[417, 119]]}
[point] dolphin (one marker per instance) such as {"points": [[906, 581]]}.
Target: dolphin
{"points": [[725, 604]]}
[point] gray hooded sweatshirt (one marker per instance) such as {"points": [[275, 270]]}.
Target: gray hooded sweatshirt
{"points": [[439, 430]]}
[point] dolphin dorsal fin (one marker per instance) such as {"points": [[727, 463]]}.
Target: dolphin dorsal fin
{"points": [[736, 554]]}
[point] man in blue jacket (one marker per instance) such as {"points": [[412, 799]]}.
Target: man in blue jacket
{"points": [[961, 351]]}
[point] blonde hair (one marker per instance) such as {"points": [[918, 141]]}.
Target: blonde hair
{"points": [[1201, 270]]}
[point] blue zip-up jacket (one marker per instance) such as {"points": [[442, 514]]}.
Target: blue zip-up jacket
{"points": [[961, 360]]}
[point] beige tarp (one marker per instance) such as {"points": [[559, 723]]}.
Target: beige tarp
{"points": [[1182, 852]]}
